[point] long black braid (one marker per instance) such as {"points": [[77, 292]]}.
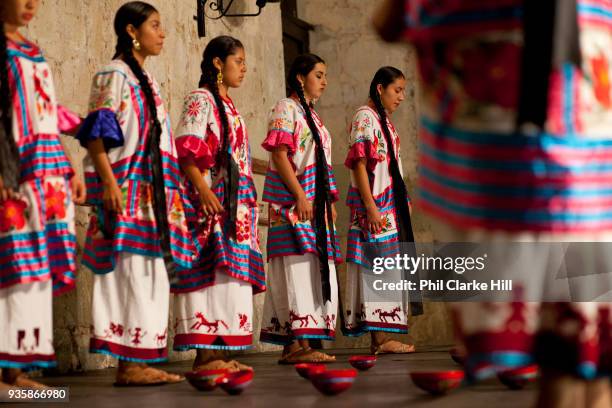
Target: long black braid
{"points": [[221, 47], [303, 65], [136, 13], [385, 76], [9, 152]]}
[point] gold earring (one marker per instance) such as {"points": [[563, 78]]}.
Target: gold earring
{"points": [[136, 44], [219, 78]]}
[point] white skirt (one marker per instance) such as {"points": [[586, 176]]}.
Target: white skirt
{"points": [[130, 310], [294, 307], [26, 324], [364, 312], [216, 317]]}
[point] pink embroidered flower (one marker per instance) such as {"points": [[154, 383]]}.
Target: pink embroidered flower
{"points": [[12, 215], [193, 109], [243, 227], [55, 201]]}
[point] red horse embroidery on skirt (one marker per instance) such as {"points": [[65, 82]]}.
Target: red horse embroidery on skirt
{"points": [[303, 319], [382, 315], [161, 338], [203, 322]]}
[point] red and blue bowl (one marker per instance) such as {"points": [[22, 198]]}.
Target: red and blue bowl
{"points": [[305, 370], [235, 383], [205, 380], [437, 382], [362, 362], [518, 378], [332, 382]]}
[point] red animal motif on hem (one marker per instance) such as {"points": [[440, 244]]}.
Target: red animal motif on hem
{"points": [[276, 326], [161, 338], [203, 322], [383, 315], [302, 319]]}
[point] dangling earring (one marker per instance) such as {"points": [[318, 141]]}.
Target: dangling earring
{"points": [[136, 44], [219, 79]]}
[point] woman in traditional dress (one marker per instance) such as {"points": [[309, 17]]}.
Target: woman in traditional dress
{"points": [[376, 219], [213, 305], [302, 298], [138, 237], [38, 189]]}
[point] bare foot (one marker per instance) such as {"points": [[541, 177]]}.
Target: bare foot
{"points": [[17, 378], [215, 364], [306, 356], [142, 374], [319, 357], [239, 366], [392, 347]]}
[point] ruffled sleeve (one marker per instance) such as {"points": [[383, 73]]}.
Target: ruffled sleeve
{"points": [[197, 137], [101, 124], [281, 127], [106, 103], [364, 141], [67, 121]]}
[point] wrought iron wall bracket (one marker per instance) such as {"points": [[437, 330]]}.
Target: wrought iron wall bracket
{"points": [[218, 7]]}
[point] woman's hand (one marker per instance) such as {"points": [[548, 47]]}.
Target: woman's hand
{"points": [[112, 197], [210, 203], [303, 208], [375, 222], [77, 187]]}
